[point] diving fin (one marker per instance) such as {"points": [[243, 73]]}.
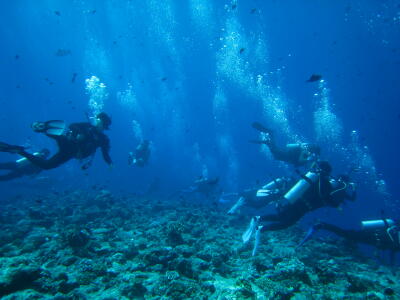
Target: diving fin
{"points": [[52, 127], [10, 148], [308, 236], [263, 193], [260, 127], [256, 240], [250, 230]]}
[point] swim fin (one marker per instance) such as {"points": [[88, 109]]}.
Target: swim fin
{"points": [[308, 236], [256, 240], [260, 127], [52, 127], [10, 148]]}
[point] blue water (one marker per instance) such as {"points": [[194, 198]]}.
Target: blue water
{"points": [[191, 76]]}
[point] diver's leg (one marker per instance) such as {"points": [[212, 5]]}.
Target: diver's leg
{"points": [[58, 159], [8, 166], [10, 176], [345, 233], [238, 204], [270, 218]]}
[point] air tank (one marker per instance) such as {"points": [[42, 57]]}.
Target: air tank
{"points": [[300, 187], [376, 224]]}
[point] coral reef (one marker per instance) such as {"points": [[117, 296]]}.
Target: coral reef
{"points": [[94, 245]]}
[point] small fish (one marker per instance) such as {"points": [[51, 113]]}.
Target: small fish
{"points": [[58, 13], [49, 81], [242, 50], [63, 52], [74, 77], [164, 78], [93, 12], [234, 6], [314, 77], [253, 10], [16, 56]]}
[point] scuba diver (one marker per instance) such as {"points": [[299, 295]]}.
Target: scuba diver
{"points": [[296, 154], [205, 186], [202, 186], [141, 156], [384, 234], [314, 190], [259, 198], [22, 167], [79, 140]]}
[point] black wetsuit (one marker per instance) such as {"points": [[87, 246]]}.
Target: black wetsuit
{"points": [[80, 142], [142, 154], [17, 171], [378, 238], [292, 155], [320, 194]]}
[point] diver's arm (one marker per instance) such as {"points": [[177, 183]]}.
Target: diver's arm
{"points": [[105, 150], [11, 175], [352, 193], [283, 154], [56, 160]]}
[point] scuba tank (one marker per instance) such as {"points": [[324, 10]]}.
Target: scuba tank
{"points": [[274, 188], [23, 162], [376, 224], [270, 188], [300, 187], [294, 146]]}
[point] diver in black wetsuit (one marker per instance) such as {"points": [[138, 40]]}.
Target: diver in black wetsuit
{"points": [[296, 154], [79, 140], [384, 234], [316, 189], [22, 167], [259, 198], [141, 156]]}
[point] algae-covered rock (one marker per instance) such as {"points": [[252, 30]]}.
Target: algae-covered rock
{"points": [[182, 289], [78, 238], [66, 287], [130, 251], [293, 270], [174, 234], [359, 284], [185, 268], [19, 279], [134, 289]]}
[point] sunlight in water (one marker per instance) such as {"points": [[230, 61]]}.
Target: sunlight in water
{"points": [[97, 92], [328, 127]]}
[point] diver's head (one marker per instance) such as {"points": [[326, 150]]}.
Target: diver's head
{"points": [[44, 153], [103, 121], [325, 167], [313, 149], [344, 178]]}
